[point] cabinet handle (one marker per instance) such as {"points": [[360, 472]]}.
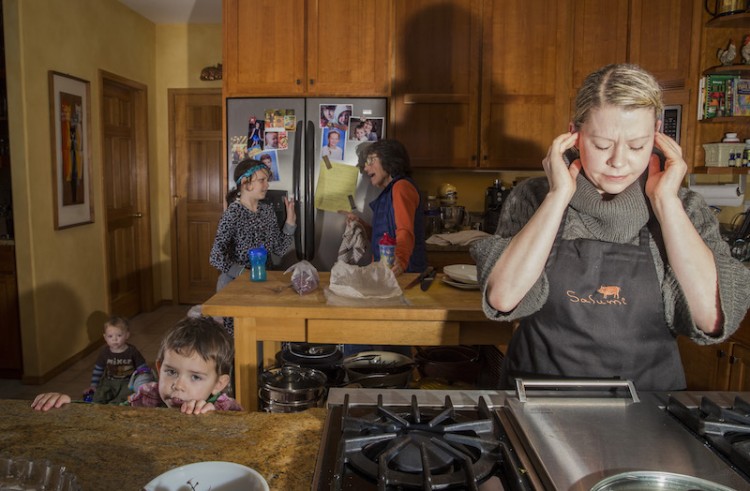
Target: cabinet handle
{"points": [[473, 158], [733, 360], [299, 81], [484, 157], [720, 354], [312, 81]]}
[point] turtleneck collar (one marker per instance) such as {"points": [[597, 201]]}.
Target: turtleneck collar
{"points": [[617, 219]]}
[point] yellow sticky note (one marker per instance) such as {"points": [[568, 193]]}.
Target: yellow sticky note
{"points": [[335, 185]]}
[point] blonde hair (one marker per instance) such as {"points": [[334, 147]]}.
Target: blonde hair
{"points": [[621, 85]]}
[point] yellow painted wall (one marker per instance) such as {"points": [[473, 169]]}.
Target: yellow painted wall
{"points": [[61, 273], [181, 52]]}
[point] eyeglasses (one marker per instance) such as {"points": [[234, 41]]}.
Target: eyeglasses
{"points": [[371, 159]]}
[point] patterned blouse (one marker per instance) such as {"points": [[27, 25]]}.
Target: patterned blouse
{"points": [[241, 229]]}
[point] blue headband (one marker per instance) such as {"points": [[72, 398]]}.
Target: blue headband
{"points": [[252, 170]]}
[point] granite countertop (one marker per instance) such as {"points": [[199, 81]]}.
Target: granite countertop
{"points": [[124, 448]]}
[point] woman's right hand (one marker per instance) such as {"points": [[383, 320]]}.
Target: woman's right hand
{"points": [[561, 178]]}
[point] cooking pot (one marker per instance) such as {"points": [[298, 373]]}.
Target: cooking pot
{"points": [[324, 357], [664, 481], [292, 387], [450, 363], [381, 369], [726, 7]]}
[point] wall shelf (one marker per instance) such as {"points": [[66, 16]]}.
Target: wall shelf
{"points": [[737, 69], [729, 171], [730, 21]]}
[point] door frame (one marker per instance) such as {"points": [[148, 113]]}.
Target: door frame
{"points": [[143, 225], [171, 94]]}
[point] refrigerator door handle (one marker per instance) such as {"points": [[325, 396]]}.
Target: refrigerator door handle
{"points": [[309, 191], [296, 164]]}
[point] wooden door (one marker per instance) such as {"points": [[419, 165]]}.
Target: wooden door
{"points": [[348, 47], [199, 189], [264, 47], [11, 363], [435, 102], [526, 80], [125, 165]]}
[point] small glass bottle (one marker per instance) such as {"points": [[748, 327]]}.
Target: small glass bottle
{"points": [[746, 154], [257, 258], [433, 223]]}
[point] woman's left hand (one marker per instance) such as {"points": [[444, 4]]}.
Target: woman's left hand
{"points": [[665, 183], [291, 214], [397, 268]]}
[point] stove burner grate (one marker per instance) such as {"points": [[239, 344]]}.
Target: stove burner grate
{"points": [[420, 448], [726, 429]]}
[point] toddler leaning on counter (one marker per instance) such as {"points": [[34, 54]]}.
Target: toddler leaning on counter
{"points": [[194, 363]]}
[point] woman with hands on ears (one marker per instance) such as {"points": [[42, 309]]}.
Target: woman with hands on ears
{"points": [[608, 258]]}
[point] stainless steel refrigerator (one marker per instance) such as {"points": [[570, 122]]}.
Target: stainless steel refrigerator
{"points": [[291, 135]]}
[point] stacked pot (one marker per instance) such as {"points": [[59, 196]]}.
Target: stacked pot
{"points": [[291, 388]]}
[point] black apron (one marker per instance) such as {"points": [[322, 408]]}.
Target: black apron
{"points": [[604, 318]]}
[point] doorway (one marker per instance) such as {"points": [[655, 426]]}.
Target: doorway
{"points": [[195, 129], [125, 162]]}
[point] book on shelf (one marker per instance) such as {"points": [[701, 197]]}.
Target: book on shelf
{"points": [[721, 95], [741, 97], [718, 93]]}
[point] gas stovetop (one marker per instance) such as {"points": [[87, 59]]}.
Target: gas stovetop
{"points": [[519, 440]]}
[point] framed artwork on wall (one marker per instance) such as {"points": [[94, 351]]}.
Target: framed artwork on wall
{"points": [[70, 122]]}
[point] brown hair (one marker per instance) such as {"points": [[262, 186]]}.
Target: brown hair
{"points": [[119, 322], [201, 335]]}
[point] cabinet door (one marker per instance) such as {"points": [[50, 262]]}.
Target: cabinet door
{"points": [[436, 85], [264, 47], [526, 80], [706, 367], [740, 361], [348, 47], [601, 37], [662, 38]]}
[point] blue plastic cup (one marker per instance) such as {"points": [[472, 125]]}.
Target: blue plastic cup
{"points": [[257, 258]]}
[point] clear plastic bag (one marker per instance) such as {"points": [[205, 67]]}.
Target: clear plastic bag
{"points": [[304, 277]]}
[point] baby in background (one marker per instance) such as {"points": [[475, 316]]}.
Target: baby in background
{"points": [[194, 363], [116, 363]]}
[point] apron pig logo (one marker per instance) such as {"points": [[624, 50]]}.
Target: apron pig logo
{"points": [[607, 295], [609, 291]]}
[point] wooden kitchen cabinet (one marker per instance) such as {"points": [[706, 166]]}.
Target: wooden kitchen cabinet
{"points": [[504, 112], [278, 48], [658, 36], [458, 112], [723, 366]]}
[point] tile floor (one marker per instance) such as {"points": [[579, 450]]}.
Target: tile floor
{"points": [[146, 333]]}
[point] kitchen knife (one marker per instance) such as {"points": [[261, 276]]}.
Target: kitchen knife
{"points": [[419, 278], [428, 279]]}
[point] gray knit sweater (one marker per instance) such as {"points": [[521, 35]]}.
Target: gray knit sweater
{"points": [[619, 220]]}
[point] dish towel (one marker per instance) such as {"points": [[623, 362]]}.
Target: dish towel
{"points": [[464, 237], [353, 243]]}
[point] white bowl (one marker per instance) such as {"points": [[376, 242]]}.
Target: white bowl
{"points": [[204, 476], [465, 273]]}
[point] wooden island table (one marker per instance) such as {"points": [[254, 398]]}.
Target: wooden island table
{"points": [[269, 312]]}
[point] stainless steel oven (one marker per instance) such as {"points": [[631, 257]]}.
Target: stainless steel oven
{"points": [[561, 435]]}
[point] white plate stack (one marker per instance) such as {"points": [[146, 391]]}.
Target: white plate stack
{"points": [[463, 276]]}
